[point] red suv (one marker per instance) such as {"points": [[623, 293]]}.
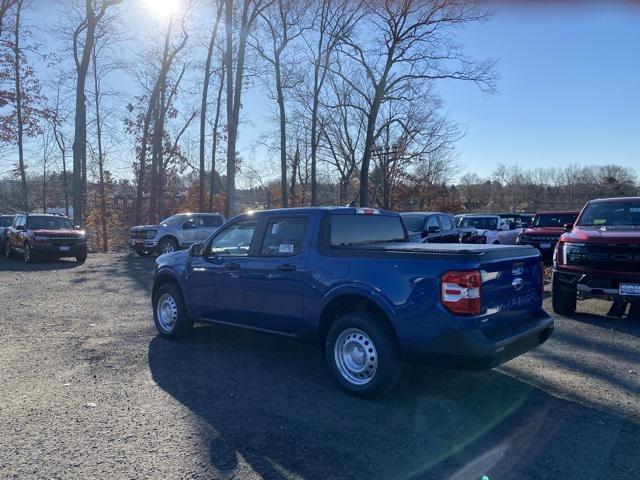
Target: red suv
{"points": [[40, 235], [600, 256], [545, 230]]}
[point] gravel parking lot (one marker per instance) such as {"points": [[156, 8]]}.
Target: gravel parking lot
{"points": [[88, 390]]}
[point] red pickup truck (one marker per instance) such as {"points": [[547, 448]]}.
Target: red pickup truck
{"points": [[599, 256], [545, 231]]}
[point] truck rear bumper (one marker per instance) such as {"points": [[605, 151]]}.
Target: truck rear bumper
{"points": [[474, 350]]}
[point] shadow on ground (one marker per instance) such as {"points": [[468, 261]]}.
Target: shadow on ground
{"points": [[16, 264], [268, 402]]}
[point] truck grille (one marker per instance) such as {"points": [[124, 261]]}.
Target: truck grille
{"points": [[63, 240], [625, 258], [138, 234]]}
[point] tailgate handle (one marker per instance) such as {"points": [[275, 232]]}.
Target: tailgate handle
{"points": [[232, 266], [286, 267]]}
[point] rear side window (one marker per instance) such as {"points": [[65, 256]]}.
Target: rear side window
{"points": [[6, 221], [212, 220], [350, 230], [447, 224], [284, 237]]}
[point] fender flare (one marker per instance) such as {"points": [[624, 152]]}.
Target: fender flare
{"points": [[364, 290]]}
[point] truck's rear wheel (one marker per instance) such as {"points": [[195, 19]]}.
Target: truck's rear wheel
{"points": [[7, 249], [563, 299], [362, 354], [170, 313]]}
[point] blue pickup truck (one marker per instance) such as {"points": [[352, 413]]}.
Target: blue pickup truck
{"points": [[349, 279]]}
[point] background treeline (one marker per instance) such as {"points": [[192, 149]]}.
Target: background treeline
{"points": [[125, 112]]}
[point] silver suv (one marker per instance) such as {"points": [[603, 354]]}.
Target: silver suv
{"points": [[173, 233]]}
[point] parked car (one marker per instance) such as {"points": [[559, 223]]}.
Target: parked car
{"points": [[45, 236], [517, 220], [431, 227], [488, 229], [350, 279], [546, 230], [5, 222], [173, 233], [599, 257]]}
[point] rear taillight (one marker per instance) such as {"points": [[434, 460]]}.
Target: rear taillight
{"points": [[461, 293]]}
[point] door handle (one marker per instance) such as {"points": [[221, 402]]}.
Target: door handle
{"points": [[286, 267], [232, 266]]}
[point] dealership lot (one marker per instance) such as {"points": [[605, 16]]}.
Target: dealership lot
{"points": [[90, 390]]}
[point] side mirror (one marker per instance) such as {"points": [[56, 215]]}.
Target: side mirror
{"points": [[188, 224], [196, 250], [433, 229], [20, 228], [568, 227]]}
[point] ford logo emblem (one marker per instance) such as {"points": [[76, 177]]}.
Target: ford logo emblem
{"points": [[517, 283]]}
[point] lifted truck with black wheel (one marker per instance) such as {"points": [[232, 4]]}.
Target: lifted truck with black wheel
{"points": [[599, 257], [350, 280]]}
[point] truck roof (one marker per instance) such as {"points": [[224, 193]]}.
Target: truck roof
{"points": [[613, 199], [557, 212], [326, 208]]}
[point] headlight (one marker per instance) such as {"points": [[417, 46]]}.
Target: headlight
{"points": [[151, 234], [41, 238], [573, 253]]}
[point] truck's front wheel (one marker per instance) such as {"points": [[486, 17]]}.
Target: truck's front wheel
{"points": [[170, 313], [563, 300], [362, 354]]}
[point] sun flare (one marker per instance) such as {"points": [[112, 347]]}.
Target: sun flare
{"points": [[163, 8]]}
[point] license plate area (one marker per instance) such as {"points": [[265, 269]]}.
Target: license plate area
{"points": [[65, 248], [629, 289], [545, 246]]}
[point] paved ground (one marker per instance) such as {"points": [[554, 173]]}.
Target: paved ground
{"points": [[87, 390]]}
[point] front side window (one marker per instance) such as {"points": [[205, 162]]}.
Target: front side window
{"points": [[414, 223], [49, 223], [284, 237], [446, 222], [620, 213], [432, 222], [235, 239]]}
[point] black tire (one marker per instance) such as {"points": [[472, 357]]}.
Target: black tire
{"points": [[27, 253], [182, 324], [81, 258], [388, 366], [8, 252], [167, 245], [563, 299]]}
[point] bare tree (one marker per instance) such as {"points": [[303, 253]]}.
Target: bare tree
{"points": [[213, 189], [17, 55], [414, 46], [240, 21], [83, 41], [56, 120], [284, 22], [203, 106]]}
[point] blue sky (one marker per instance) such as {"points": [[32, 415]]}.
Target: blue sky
{"points": [[569, 87]]}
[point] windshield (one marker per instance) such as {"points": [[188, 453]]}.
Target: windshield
{"points": [[174, 220], [49, 223], [6, 221], [485, 223], [621, 213], [414, 223], [554, 219]]}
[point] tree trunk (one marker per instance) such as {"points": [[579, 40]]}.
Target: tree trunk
{"points": [[203, 111], [283, 130], [231, 121], [18, 86], [142, 160], [214, 141], [101, 188]]}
